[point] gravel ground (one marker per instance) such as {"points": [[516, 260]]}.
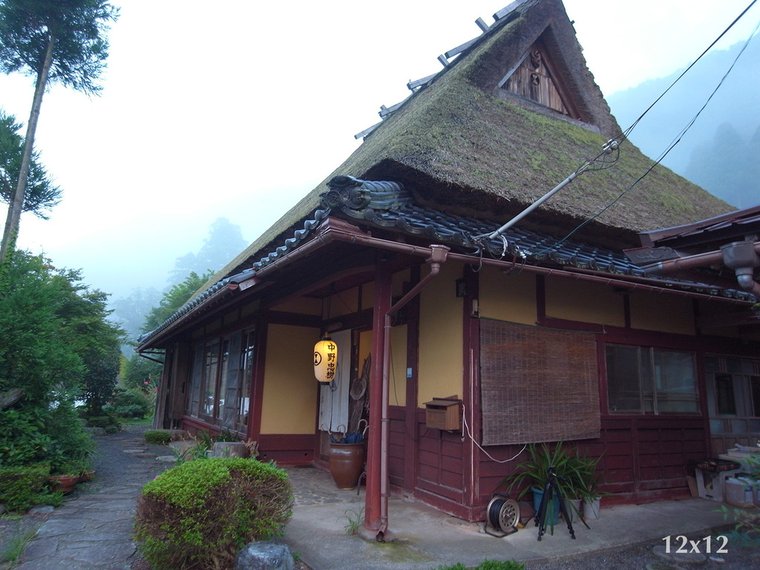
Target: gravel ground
{"points": [[652, 556]]}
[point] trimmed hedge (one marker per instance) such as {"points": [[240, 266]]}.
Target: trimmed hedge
{"points": [[200, 513], [158, 437]]}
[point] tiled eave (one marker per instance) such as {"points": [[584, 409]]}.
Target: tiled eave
{"points": [[388, 206]]}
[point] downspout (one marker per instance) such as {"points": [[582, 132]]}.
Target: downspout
{"points": [[742, 258], [438, 254]]}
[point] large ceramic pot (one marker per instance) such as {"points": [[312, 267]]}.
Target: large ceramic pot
{"points": [[346, 463]]}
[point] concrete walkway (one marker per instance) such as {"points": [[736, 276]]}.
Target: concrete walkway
{"points": [[425, 538], [92, 530]]}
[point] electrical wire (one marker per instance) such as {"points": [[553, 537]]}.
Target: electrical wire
{"points": [[630, 129], [466, 429], [601, 161], [673, 143]]}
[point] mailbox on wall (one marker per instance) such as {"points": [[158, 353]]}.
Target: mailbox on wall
{"points": [[443, 414]]}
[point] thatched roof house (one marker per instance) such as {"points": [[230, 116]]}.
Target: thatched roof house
{"points": [[542, 332], [465, 144]]}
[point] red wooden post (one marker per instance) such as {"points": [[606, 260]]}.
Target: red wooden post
{"points": [[381, 306]]}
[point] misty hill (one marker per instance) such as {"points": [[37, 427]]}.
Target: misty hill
{"points": [[721, 151]]}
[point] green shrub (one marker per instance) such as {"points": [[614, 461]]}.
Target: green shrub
{"points": [[200, 513], [158, 437], [23, 487], [71, 446], [129, 404], [103, 421], [22, 437]]}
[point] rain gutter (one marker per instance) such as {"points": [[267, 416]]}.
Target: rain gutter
{"points": [[741, 256], [333, 229]]}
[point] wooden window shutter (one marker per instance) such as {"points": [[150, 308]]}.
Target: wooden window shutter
{"points": [[537, 384]]}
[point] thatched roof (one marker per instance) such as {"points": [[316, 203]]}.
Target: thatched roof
{"points": [[464, 144]]}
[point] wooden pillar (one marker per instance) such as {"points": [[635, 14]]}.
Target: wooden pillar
{"points": [[257, 385], [382, 304]]}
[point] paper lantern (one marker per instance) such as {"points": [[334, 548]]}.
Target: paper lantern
{"points": [[325, 360]]}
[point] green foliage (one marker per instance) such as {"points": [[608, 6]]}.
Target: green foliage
{"points": [[488, 565], [15, 546], [576, 475], [129, 404], [158, 437], [57, 343], [141, 373], [174, 299], [353, 521], [501, 565], [76, 28], [41, 195], [71, 446], [103, 421], [23, 437], [38, 349], [24, 487], [200, 513]]}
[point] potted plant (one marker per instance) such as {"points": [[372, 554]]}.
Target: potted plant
{"points": [[66, 475], [588, 488], [533, 475]]}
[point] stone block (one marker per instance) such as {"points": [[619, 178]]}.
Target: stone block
{"points": [[264, 556]]}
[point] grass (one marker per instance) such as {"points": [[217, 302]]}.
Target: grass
{"points": [[15, 546], [353, 522]]}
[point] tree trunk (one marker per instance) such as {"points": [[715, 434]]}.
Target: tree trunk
{"points": [[14, 209]]}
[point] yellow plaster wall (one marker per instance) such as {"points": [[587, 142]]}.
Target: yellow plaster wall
{"points": [[508, 297], [663, 313], [289, 403], [397, 373], [368, 295], [343, 303], [300, 305], [583, 301], [365, 348], [397, 282], [440, 346]]}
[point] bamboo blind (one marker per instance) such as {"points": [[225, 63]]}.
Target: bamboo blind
{"points": [[537, 384]]}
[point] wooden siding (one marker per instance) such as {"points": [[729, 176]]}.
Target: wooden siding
{"points": [[287, 449], [397, 446], [642, 459]]}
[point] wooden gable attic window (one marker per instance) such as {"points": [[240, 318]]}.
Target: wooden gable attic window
{"points": [[536, 79]]}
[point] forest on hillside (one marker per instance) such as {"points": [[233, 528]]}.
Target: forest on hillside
{"points": [[721, 151]]}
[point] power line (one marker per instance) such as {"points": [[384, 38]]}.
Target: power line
{"points": [[677, 138]]}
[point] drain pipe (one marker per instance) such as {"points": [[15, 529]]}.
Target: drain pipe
{"points": [[742, 257], [437, 258]]}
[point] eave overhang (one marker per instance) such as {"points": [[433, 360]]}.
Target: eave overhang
{"points": [[385, 206]]}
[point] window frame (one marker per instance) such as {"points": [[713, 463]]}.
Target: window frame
{"points": [[650, 374]]}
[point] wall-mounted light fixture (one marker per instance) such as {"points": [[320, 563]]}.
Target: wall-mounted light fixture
{"points": [[325, 360]]}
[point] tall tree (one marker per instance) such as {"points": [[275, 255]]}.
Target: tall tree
{"points": [[52, 40], [224, 242], [174, 298], [41, 194]]}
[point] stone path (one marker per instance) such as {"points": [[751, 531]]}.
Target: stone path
{"points": [[92, 530]]}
